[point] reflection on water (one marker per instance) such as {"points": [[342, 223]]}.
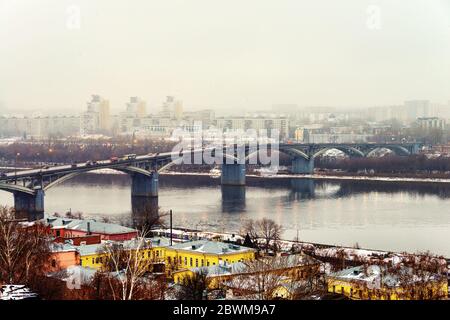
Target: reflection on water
{"points": [[144, 211], [233, 199], [391, 216]]}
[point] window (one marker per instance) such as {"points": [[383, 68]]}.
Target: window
{"points": [[53, 263], [207, 263], [190, 261], [203, 262], [196, 262], [169, 260], [93, 261], [342, 290], [185, 261], [58, 233]]}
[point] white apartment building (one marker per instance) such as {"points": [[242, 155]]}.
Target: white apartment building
{"points": [[39, 126], [97, 118], [431, 123], [254, 123]]}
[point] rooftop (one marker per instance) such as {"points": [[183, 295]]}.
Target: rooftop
{"points": [[84, 225], [211, 247], [388, 278], [282, 262], [61, 247]]}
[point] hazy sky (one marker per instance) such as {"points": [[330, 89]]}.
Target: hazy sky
{"points": [[241, 54]]}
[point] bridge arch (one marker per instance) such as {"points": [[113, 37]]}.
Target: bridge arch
{"points": [[127, 169], [14, 188], [349, 151], [397, 150], [180, 161]]}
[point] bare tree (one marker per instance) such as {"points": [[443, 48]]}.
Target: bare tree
{"points": [[265, 230], [125, 266], [24, 249], [194, 286], [407, 276], [260, 278], [250, 229], [270, 233]]}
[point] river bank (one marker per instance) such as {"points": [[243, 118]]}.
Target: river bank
{"points": [[359, 255], [317, 176]]}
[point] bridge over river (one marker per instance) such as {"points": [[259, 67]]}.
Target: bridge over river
{"points": [[29, 186]]}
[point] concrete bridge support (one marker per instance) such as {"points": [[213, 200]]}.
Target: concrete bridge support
{"points": [[233, 174], [29, 206], [144, 186], [302, 165], [415, 149]]}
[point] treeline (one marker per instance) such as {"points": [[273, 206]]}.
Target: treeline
{"points": [[62, 152], [388, 164]]}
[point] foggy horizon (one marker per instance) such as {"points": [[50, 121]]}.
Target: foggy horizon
{"points": [[228, 56]]}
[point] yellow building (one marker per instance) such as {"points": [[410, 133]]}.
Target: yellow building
{"points": [[203, 253], [359, 283], [94, 255], [291, 268], [181, 256]]}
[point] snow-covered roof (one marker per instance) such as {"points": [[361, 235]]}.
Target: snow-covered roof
{"points": [[386, 277], [210, 247], [61, 247], [88, 224], [78, 274]]}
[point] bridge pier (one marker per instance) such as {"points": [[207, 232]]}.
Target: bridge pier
{"points": [[415, 149], [233, 174], [144, 186], [302, 165], [29, 206]]}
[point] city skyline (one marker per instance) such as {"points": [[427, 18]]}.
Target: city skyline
{"points": [[358, 53], [156, 107]]}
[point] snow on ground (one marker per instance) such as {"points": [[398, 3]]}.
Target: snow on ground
{"points": [[16, 292]]}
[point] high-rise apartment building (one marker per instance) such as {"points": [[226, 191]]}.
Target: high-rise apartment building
{"points": [[97, 118], [172, 108], [136, 106]]}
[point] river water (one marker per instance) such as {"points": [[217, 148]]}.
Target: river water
{"points": [[378, 215]]}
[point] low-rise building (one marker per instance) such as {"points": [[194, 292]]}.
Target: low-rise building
{"points": [[94, 256], [382, 283], [63, 256], [204, 253], [69, 228], [241, 276]]}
